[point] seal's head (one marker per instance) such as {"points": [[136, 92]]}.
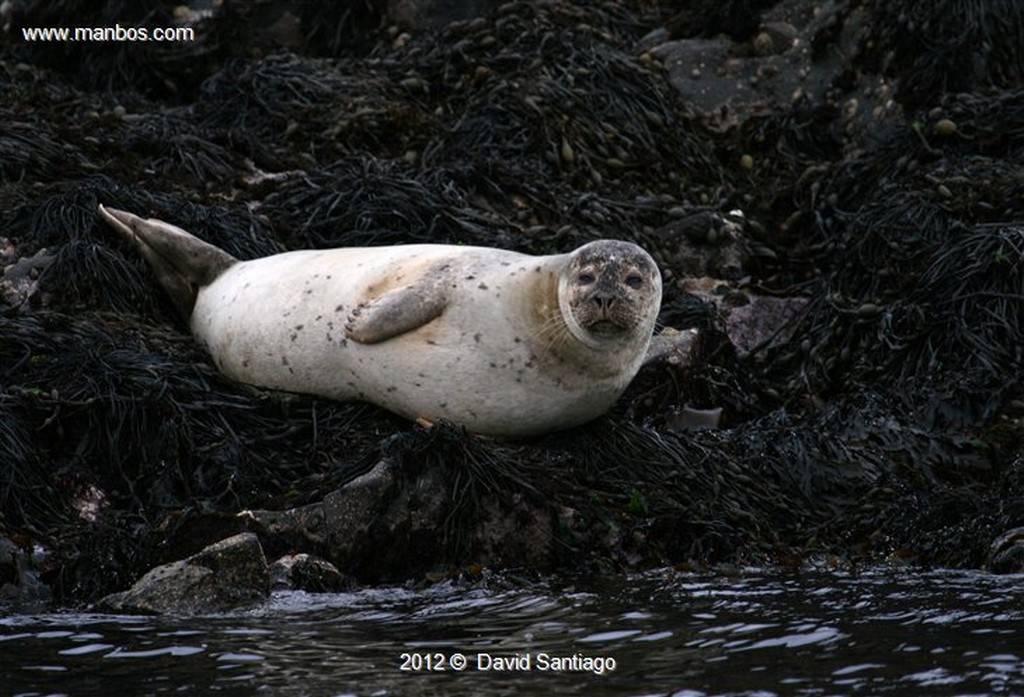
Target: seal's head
{"points": [[609, 294]]}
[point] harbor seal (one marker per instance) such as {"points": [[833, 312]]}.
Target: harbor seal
{"points": [[501, 343]]}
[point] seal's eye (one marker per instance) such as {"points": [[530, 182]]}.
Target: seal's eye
{"points": [[585, 279], [634, 281]]}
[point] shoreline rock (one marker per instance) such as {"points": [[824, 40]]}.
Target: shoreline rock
{"points": [[227, 574]]}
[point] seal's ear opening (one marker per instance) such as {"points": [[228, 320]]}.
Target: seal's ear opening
{"points": [[182, 262]]}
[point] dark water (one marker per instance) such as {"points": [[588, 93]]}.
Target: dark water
{"points": [[880, 632]]}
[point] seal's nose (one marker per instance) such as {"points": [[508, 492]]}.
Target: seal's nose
{"points": [[604, 301]]}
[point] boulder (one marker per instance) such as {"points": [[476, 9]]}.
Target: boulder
{"points": [[20, 586], [226, 574], [1006, 554], [305, 572]]}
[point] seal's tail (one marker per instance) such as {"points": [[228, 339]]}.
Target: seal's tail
{"points": [[181, 261]]}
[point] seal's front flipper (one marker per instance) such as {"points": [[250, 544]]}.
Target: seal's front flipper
{"points": [[181, 261], [397, 311]]}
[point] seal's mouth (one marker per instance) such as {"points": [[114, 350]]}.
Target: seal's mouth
{"points": [[606, 328]]}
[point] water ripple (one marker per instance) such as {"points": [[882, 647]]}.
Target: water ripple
{"points": [[755, 633]]}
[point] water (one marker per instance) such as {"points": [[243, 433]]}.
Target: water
{"points": [[880, 632]]}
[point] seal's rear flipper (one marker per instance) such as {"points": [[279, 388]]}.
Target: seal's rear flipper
{"points": [[181, 261]]}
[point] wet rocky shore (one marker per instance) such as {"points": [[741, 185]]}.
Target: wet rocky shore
{"points": [[834, 192]]}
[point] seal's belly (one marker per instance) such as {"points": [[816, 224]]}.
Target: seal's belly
{"points": [[279, 322]]}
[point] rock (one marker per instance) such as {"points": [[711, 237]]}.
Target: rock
{"points": [[514, 532], [19, 283], [728, 81], [725, 88], [376, 521], [349, 511], [293, 529], [226, 574], [779, 37], [20, 587], [388, 523], [672, 345], [1006, 553], [393, 524], [306, 572], [693, 419], [750, 321], [703, 243], [385, 522]]}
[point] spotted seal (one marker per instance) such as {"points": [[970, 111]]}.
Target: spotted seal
{"points": [[502, 343]]}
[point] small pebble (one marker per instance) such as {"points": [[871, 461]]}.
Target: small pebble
{"points": [[568, 154], [763, 44], [868, 310]]}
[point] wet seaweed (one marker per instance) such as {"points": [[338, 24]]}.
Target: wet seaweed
{"points": [[342, 28], [947, 47], [479, 476], [93, 559], [541, 100], [141, 417], [259, 107], [669, 498], [27, 499], [918, 241], [914, 523], [364, 201], [171, 147], [65, 210], [236, 228], [93, 267], [90, 275], [26, 149]]}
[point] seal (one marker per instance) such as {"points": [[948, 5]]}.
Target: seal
{"points": [[501, 343]]}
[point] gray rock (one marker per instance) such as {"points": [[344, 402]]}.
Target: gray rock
{"points": [[515, 532], [1006, 553], [306, 572], [693, 419], [349, 511], [703, 243], [19, 284], [295, 528], [363, 527], [672, 345], [752, 322], [727, 82], [394, 522], [226, 574], [389, 523], [20, 587]]}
